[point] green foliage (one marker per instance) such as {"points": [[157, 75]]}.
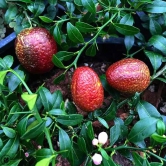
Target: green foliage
{"points": [[30, 121]]}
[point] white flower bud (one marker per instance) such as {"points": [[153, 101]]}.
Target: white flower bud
{"points": [[95, 141], [102, 138], [97, 159]]}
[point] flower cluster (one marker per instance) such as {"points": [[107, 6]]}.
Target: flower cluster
{"points": [[101, 140]]}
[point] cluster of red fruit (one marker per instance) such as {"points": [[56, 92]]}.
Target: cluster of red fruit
{"points": [[35, 48]]}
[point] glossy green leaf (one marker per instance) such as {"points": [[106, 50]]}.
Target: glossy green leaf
{"points": [[115, 132], [45, 161], [89, 5], [2, 76], [57, 35], [70, 7], [70, 107], [64, 55], [46, 19], [142, 129], [11, 13], [91, 51], [30, 99], [9, 132], [155, 164], [129, 42], [70, 120], [127, 20], [13, 162], [160, 127], [110, 113], [82, 144], [57, 99], [103, 122], [9, 149], [74, 34], [155, 59], [104, 154], [156, 7], [158, 42], [57, 62], [108, 162], [46, 98], [64, 140], [8, 60], [159, 138], [22, 125], [90, 130], [14, 81], [57, 112], [138, 160], [161, 79], [3, 4], [146, 110], [78, 2], [35, 131], [43, 153], [154, 27], [52, 2], [88, 17], [85, 27], [60, 78], [126, 30]]}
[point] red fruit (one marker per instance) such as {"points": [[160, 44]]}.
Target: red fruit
{"points": [[34, 49], [128, 75], [86, 89]]}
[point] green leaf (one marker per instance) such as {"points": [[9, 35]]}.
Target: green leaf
{"points": [[74, 34], [129, 42], [138, 160], [142, 129], [60, 78], [126, 30], [160, 127], [115, 132], [70, 7], [21, 126], [45, 162], [14, 81], [3, 4], [57, 35], [57, 62], [91, 51], [8, 60], [52, 2], [103, 122], [9, 149], [161, 79], [70, 120], [155, 59], [90, 131], [78, 2], [158, 42], [35, 131], [30, 99], [104, 154], [57, 99], [89, 5], [9, 132], [159, 138], [156, 7], [13, 162], [11, 13], [43, 153], [155, 164], [154, 27], [108, 162], [57, 112], [146, 110], [2, 76], [127, 20], [82, 145], [46, 19], [64, 140], [64, 55], [85, 27]]}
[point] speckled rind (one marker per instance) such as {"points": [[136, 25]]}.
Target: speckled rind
{"points": [[128, 75], [34, 48], [86, 89]]}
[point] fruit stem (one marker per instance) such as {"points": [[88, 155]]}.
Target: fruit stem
{"points": [[131, 55], [159, 72]]}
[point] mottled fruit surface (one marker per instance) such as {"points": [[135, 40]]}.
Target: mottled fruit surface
{"points": [[34, 49], [86, 89], [128, 75]]}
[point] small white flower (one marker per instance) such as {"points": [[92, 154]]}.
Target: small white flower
{"points": [[95, 141], [102, 138], [97, 159]]}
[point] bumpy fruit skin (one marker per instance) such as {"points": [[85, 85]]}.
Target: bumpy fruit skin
{"points": [[128, 75], [86, 89], [34, 48]]}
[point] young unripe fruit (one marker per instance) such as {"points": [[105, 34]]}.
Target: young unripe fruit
{"points": [[128, 75], [34, 49], [86, 89]]}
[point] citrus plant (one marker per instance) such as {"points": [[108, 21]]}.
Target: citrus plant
{"points": [[37, 127]]}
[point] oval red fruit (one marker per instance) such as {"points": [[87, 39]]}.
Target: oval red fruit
{"points": [[128, 75], [34, 48], [86, 89]]}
